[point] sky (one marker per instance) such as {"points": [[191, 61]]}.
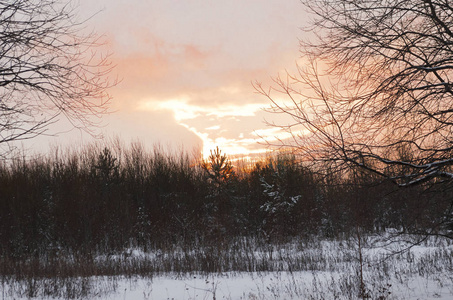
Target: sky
{"points": [[186, 69]]}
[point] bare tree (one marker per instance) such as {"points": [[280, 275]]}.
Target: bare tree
{"points": [[48, 69], [378, 84], [376, 92]]}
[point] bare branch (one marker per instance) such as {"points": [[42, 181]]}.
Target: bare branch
{"points": [[48, 70], [378, 86]]}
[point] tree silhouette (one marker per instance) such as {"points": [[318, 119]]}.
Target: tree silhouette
{"points": [[48, 70], [378, 82]]}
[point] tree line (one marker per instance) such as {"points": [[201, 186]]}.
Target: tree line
{"points": [[104, 199]]}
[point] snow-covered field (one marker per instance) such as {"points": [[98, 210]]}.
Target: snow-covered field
{"points": [[278, 285], [319, 270]]}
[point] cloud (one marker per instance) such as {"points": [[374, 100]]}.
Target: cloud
{"points": [[153, 66], [152, 127], [190, 64]]}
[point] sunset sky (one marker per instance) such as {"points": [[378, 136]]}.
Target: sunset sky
{"points": [[187, 68]]}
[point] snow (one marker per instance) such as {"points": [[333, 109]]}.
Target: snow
{"points": [[275, 285], [332, 271]]}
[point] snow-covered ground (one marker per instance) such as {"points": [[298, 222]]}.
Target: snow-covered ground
{"points": [[276, 285], [332, 271]]}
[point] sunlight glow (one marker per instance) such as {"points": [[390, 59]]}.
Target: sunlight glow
{"points": [[212, 136], [180, 108], [272, 134], [213, 127], [183, 110]]}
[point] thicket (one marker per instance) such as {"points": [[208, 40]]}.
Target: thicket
{"points": [[102, 199]]}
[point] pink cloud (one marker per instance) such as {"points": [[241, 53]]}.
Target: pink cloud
{"points": [[204, 54]]}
